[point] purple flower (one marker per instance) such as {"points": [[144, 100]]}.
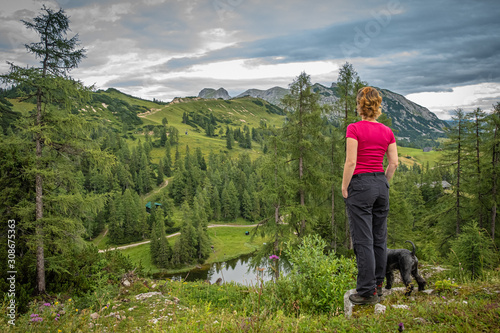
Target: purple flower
{"points": [[46, 304], [36, 319], [33, 315], [401, 327], [274, 257]]}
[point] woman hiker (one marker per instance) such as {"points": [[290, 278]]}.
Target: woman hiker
{"points": [[365, 188]]}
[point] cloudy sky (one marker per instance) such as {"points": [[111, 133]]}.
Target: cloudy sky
{"points": [[442, 54]]}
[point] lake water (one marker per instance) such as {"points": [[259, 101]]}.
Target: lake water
{"points": [[235, 270]]}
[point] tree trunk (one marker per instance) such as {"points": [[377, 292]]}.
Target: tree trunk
{"points": [[301, 168], [480, 196], [334, 227], [496, 154], [457, 230], [334, 240], [276, 215], [40, 258]]}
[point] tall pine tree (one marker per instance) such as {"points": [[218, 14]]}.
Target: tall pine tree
{"points": [[58, 136]]}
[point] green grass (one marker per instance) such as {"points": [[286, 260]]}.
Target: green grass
{"points": [[198, 307], [23, 107], [410, 156]]}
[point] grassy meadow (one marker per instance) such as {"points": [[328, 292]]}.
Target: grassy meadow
{"points": [[411, 156]]}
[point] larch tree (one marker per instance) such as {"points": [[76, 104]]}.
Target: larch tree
{"points": [[348, 84], [303, 141], [494, 154], [58, 134], [454, 157]]}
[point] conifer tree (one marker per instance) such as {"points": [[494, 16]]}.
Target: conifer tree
{"points": [[494, 156], [229, 139], [159, 177], [215, 202], [161, 252], [304, 142], [56, 132], [475, 126], [348, 84], [185, 247]]}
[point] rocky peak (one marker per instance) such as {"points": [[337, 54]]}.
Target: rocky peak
{"points": [[212, 93]]}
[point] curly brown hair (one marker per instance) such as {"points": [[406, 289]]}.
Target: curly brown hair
{"points": [[368, 102]]}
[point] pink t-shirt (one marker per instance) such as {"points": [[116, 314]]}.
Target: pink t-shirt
{"points": [[373, 139]]}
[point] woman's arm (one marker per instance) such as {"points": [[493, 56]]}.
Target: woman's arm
{"points": [[392, 158], [350, 163]]}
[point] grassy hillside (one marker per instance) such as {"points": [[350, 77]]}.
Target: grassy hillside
{"points": [[411, 156], [235, 113]]}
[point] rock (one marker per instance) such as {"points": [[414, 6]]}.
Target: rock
{"points": [[147, 295], [153, 286], [380, 309], [348, 304], [428, 291], [400, 306], [94, 316], [126, 283], [390, 291]]}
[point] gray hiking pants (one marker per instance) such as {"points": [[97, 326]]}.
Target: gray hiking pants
{"points": [[367, 208]]}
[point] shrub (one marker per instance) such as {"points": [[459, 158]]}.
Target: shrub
{"points": [[472, 252], [317, 281]]}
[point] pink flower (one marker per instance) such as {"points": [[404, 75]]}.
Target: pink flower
{"points": [[274, 257]]}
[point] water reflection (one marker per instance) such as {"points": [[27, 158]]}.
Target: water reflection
{"points": [[236, 270]]}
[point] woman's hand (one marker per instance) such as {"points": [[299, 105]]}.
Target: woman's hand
{"points": [[344, 193]]}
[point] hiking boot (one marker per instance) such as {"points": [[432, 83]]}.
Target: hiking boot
{"points": [[380, 291], [357, 299]]}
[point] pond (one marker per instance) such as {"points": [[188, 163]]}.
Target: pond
{"points": [[235, 270]]}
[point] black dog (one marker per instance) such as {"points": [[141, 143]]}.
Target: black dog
{"points": [[407, 264]]}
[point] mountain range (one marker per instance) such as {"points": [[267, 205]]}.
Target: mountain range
{"points": [[410, 120]]}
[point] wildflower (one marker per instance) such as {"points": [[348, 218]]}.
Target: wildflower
{"points": [[76, 310], [274, 257], [69, 300], [401, 327], [46, 304], [36, 318], [56, 303]]}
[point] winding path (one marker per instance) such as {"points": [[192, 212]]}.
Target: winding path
{"points": [[178, 233]]}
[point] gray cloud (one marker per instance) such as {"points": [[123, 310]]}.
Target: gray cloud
{"points": [[404, 46]]}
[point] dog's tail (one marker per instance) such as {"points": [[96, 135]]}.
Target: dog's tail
{"points": [[413, 252]]}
